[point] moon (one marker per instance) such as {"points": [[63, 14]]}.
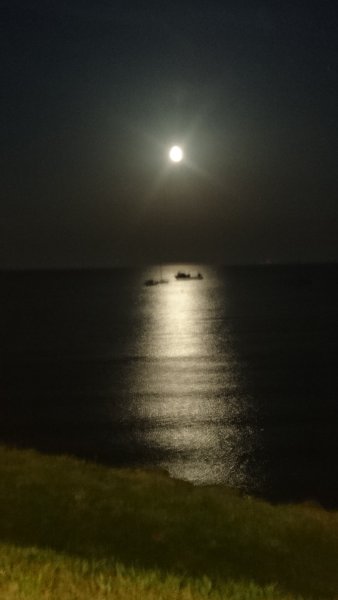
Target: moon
{"points": [[176, 154]]}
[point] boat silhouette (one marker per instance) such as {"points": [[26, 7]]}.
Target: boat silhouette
{"points": [[185, 276], [149, 282]]}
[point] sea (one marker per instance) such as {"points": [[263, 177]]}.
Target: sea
{"points": [[228, 380]]}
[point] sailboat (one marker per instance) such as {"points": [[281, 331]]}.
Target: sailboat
{"points": [[150, 282]]}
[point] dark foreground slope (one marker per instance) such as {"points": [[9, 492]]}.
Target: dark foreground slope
{"points": [[70, 529]]}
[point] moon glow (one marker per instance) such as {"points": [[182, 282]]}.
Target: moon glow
{"points": [[176, 154]]}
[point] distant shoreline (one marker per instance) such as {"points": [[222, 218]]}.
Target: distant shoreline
{"points": [[63, 269]]}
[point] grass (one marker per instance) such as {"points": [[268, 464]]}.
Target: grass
{"points": [[76, 530]]}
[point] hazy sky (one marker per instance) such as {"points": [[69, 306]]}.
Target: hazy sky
{"points": [[94, 92]]}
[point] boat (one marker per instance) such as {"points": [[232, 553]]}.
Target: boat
{"points": [[185, 276], [150, 282]]}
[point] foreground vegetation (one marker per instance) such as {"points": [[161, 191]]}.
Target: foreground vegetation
{"points": [[76, 530]]}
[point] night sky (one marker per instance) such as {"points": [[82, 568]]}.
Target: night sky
{"points": [[94, 93]]}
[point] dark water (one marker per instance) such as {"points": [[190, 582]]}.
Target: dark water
{"points": [[230, 379]]}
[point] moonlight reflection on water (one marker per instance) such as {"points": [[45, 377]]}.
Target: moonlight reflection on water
{"points": [[186, 387]]}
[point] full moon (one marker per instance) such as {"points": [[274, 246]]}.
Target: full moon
{"points": [[176, 154]]}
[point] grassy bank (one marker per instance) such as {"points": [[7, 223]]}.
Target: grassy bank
{"points": [[75, 530]]}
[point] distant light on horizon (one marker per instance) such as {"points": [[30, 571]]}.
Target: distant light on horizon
{"points": [[176, 154]]}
